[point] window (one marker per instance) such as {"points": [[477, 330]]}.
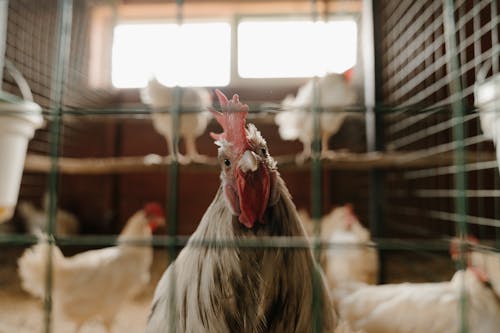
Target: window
{"points": [[199, 54], [300, 48], [192, 54]]}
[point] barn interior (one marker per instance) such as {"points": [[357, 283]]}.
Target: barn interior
{"points": [[414, 159]]}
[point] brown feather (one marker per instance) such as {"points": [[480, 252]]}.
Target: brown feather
{"points": [[253, 290]]}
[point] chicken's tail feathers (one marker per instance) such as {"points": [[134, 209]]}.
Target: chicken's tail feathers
{"points": [[147, 93], [290, 124], [156, 94], [28, 213], [26, 209], [32, 266]]}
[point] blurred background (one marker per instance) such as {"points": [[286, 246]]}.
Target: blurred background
{"points": [[405, 92]]}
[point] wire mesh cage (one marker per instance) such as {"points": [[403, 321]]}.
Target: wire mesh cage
{"points": [[413, 157]]}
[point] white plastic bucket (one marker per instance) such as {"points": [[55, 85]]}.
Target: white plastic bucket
{"points": [[18, 122]]}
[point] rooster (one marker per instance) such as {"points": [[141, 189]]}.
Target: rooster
{"points": [[193, 116], [296, 121], [351, 260], [213, 288], [94, 284]]}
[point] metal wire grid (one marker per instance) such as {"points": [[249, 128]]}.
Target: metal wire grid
{"points": [[31, 46], [432, 54], [415, 62], [415, 73], [45, 43]]}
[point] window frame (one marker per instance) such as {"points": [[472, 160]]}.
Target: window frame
{"points": [[238, 81], [105, 18], [173, 21]]}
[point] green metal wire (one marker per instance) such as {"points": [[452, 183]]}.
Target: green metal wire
{"points": [[495, 65], [4, 11], [459, 170], [316, 207], [316, 196], [458, 109], [271, 242], [172, 203], [60, 66]]}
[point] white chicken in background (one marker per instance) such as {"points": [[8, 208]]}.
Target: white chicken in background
{"points": [[335, 92], [430, 307], [353, 259], [193, 116], [489, 263], [487, 98], [423, 307], [94, 284], [486, 263], [35, 219]]}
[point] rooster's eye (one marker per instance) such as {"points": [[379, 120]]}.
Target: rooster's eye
{"points": [[227, 162]]}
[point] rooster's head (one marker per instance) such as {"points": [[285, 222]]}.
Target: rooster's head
{"points": [[248, 171]]}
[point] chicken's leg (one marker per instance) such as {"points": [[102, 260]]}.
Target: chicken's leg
{"points": [[191, 151], [180, 158], [325, 152], [305, 154]]}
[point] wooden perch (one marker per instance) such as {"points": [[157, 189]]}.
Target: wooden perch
{"points": [[338, 160], [108, 165]]}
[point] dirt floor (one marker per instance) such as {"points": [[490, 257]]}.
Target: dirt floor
{"points": [[21, 313]]}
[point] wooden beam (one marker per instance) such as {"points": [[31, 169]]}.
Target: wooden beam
{"points": [[338, 161]]}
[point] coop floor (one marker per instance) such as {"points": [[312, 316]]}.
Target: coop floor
{"points": [[21, 313]]}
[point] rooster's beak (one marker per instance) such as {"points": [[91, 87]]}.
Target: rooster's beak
{"points": [[248, 162]]}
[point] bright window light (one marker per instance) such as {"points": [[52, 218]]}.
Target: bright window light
{"points": [[282, 49], [193, 54]]}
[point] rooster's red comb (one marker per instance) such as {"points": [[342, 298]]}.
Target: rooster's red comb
{"points": [[232, 119], [153, 208]]}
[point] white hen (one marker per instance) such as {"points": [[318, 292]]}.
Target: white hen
{"points": [[352, 259], [489, 263], [334, 92], [423, 307], [94, 284], [487, 97], [484, 262], [193, 118]]}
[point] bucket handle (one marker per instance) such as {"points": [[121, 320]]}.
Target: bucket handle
{"points": [[19, 79]]}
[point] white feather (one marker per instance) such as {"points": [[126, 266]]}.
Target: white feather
{"points": [[334, 92], [487, 99], [193, 119], [66, 223], [423, 307], [92, 284], [352, 258]]}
